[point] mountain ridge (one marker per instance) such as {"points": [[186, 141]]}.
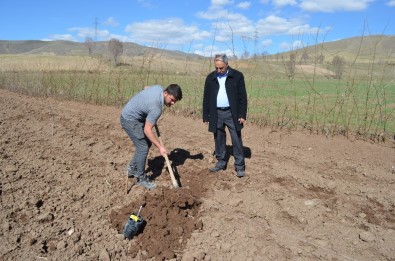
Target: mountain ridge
{"points": [[379, 45], [61, 47]]}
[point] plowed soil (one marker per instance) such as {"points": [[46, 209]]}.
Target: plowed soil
{"points": [[305, 196]]}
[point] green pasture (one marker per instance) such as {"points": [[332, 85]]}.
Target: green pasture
{"points": [[362, 102]]}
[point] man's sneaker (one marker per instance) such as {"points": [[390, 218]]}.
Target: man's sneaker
{"points": [[217, 168], [145, 182], [240, 173], [130, 172]]}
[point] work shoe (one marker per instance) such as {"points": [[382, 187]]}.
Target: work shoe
{"points": [[240, 173], [130, 171], [145, 182], [217, 168]]}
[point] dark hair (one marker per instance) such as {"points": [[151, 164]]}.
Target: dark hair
{"points": [[175, 90]]}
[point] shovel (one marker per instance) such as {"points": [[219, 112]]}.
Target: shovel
{"points": [[173, 178]]}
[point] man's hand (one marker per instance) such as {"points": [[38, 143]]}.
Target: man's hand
{"points": [[148, 131], [162, 151]]}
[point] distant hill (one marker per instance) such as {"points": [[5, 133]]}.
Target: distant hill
{"points": [[366, 47], [41, 47], [382, 46], [77, 48]]}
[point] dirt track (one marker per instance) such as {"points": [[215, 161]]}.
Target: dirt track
{"points": [[305, 197]]}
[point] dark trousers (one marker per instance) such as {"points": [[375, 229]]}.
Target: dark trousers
{"points": [[135, 131], [225, 119]]}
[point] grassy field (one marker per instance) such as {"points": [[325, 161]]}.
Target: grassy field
{"points": [[361, 102]]}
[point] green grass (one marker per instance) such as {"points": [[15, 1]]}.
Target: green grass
{"points": [[362, 102]]}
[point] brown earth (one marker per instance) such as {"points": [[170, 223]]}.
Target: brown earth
{"points": [[305, 197]]}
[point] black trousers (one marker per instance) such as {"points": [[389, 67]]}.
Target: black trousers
{"points": [[225, 119]]}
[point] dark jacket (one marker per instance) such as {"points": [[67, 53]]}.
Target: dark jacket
{"points": [[237, 96]]}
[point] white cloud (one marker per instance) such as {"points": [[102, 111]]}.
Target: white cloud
{"points": [[146, 3], [266, 43], [220, 3], [171, 31], [232, 27], [285, 46], [64, 37], [274, 25], [228, 24], [391, 3], [84, 32], [329, 6], [211, 50], [111, 22], [100, 35], [243, 5], [278, 25], [297, 45], [208, 51], [303, 29], [281, 3], [219, 15]]}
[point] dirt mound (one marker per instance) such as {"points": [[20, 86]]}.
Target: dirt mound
{"points": [[171, 215], [304, 197]]}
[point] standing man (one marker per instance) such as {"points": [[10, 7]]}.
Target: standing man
{"points": [[225, 104], [138, 118]]}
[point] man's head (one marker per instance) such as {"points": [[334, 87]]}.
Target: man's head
{"points": [[172, 94], [221, 63]]}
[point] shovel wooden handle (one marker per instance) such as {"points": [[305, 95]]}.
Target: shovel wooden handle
{"points": [[173, 178]]}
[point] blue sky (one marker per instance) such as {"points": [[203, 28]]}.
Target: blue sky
{"points": [[198, 26]]}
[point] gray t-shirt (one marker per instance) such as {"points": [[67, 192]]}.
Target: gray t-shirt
{"points": [[145, 105]]}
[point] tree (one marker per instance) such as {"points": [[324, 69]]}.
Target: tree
{"points": [[291, 65], [320, 59], [338, 64], [245, 54], [89, 44], [305, 56], [115, 48]]}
